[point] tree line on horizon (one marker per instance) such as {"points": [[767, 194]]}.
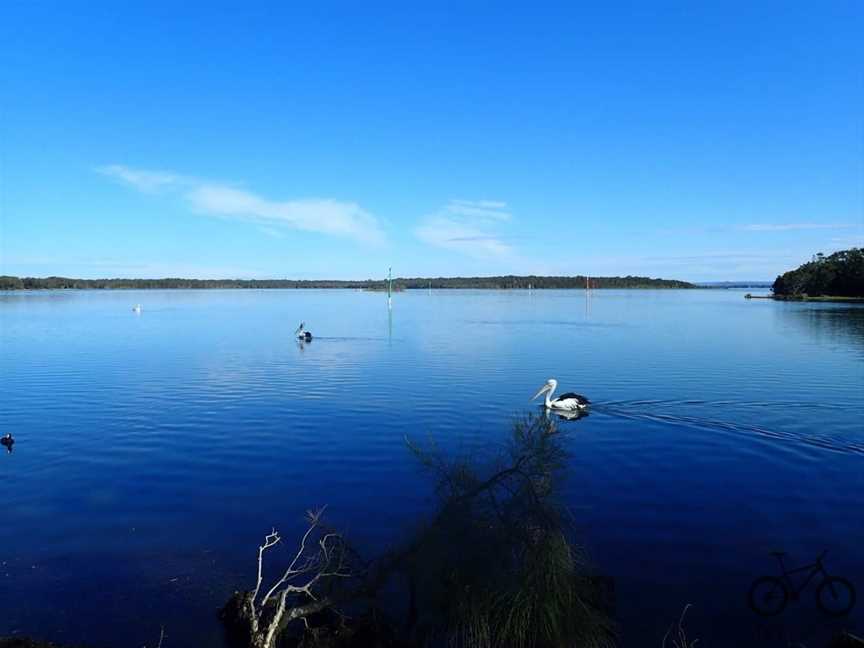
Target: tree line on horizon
{"points": [[498, 283], [838, 275]]}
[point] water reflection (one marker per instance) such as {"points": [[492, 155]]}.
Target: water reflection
{"points": [[566, 415], [827, 322], [719, 425]]}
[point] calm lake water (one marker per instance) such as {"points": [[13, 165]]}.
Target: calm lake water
{"points": [[154, 451]]}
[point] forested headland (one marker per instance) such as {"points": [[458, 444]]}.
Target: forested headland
{"points": [[495, 283], [837, 275]]}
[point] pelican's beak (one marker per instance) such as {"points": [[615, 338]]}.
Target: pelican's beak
{"points": [[543, 390]]}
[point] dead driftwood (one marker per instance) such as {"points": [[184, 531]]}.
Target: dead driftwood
{"points": [[303, 590]]}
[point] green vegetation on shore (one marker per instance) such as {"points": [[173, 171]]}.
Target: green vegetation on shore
{"points": [[839, 276], [495, 283]]}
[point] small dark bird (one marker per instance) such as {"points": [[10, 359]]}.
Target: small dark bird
{"points": [[6, 441]]}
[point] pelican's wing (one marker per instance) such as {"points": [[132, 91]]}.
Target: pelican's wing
{"points": [[579, 398]]}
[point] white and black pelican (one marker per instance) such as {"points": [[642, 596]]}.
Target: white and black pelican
{"points": [[136, 308], [303, 334], [569, 402]]}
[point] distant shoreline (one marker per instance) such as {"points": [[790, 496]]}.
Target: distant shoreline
{"points": [[505, 282]]}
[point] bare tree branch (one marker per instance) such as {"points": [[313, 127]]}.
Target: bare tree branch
{"points": [[321, 556], [270, 540]]}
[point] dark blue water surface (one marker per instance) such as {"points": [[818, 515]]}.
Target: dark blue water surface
{"points": [[155, 450]]}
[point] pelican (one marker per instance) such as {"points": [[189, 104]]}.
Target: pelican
{"points": [[7, 441], [568, 402], [303, 334], [136, 308]]}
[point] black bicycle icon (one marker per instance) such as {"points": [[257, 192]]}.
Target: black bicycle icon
{"points": [[769, 595]]}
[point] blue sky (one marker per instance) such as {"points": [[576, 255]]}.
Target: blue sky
{"points": [[701, 141]]}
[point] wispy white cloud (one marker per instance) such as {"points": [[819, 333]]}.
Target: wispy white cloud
{"points": [[487, 210], [143, 180], [321, 215], [272, 232], [483, 204], [468, 227], [312, 214], [446, 234], [785, 227]]}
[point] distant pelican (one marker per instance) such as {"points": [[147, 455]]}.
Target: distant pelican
{"points": [[136, 308], [303, 334], [565, 402], [7, 441]]}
